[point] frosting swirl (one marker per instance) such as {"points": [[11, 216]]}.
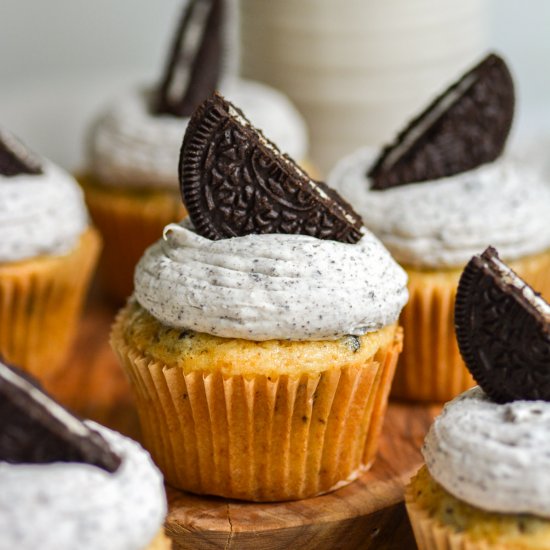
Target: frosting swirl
{"points": [[268, 287], [129, 146], [40, 214], [495, 457], [63, 506], [443, 223]]}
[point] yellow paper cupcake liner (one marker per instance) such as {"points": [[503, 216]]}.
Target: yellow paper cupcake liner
{"points": [[129, 221], [40, 302], [430, 368], [261, 438]]}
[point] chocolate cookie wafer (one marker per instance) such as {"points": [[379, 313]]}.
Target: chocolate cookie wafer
{"points": [[235, 182], [194, 66], [503, 331], [15, 158], [35, 429], [463, 128]]}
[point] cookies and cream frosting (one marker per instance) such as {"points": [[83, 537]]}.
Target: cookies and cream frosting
{"points": [[40, 214], [130, 146], [64, 506], [270, 286], [492, 456], [443, 223]]}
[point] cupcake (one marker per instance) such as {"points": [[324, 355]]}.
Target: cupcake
{"points": [[68, 484], [131, 180], [442, 191], [48, 251], [485, 485], [262, 337]]}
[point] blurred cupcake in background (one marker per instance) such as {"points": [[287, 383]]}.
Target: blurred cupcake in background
{"points": [[48, 251], [263, 334], [130, 179], [486, 482], [441, 191]]}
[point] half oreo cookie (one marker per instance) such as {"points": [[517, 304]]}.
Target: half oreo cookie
{"points": [[194, 66], [34, 429], [15, 158], [503, 331], [463, 128], [235, 182]]}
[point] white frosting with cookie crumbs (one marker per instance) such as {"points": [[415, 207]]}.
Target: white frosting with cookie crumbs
{"points": [[270, 286], [68, 506], [128, 146], [443, 223], [493, 456], [40, 214]]}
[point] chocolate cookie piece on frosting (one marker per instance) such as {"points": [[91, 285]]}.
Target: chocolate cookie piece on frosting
{"points": [[15, 158], [463, 128], [35, 429], [235, 182], [503, 331], [194, 66]]}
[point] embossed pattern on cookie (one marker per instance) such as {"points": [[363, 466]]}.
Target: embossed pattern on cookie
{"points": [[463, 128], [15, 158], [503, 331], [235, 182], [194, 65], [35, 429]]}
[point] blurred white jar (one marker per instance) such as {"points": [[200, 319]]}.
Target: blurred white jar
{"points": [[359, 69]]}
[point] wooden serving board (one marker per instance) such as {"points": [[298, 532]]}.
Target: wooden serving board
{"points": [[367, 514]]}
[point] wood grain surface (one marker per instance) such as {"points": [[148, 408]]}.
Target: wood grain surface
{"points": [[367, 514]]}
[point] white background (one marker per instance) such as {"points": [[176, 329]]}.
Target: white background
{"points": [[61, 59]]}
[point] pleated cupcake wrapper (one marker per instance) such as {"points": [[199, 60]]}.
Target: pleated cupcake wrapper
{"points": [[257, 438], [430, 534], [430, 368], [40, 302], [129, 224]]}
